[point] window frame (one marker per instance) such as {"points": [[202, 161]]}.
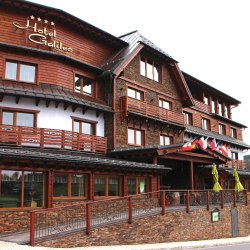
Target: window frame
{"points": [[207, 122], [107, 185], [18, 71], [188, 115], [154, 64], [82, 80], [142, 94], [81, 121], [22, 194], [142, 136], [233, 132], [171, 139], [161, 102], [69, 187], [222, 129], [15, 111], [137, 184]]}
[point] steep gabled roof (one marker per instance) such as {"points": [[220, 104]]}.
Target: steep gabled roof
{"points": [[199, 84], [136, 41]]}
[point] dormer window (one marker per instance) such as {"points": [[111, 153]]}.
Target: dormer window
{"points": [[83, 85], [150, 69]]}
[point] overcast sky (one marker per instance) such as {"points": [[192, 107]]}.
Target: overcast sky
{"points": [[209, 38]]}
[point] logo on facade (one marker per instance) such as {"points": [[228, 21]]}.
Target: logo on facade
{"points": [[42, 32]]}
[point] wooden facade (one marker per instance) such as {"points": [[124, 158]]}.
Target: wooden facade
{"points": [[85, 117]]}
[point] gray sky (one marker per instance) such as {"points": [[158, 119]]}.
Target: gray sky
{"points": [[209, 38]]}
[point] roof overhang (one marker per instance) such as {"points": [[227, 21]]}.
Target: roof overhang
{"points": [[173, 152]]}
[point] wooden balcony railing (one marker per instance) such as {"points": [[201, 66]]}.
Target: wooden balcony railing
{"points": [[140, 107], [202, 106], [238, 164], [51, 138]]}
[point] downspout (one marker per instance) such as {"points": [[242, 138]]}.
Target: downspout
{"points": [[114, 109]]}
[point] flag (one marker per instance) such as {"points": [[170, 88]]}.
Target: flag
{"points": [[213, 144], [188, 146], [225, 150], [203, 143]]}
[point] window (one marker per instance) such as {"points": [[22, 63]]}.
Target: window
{"points": [[213, 107], [83, 85], [165, 104], [205, 100], [222, 129], [133, 93], [84, 127], [150, 69], [226, 112], [21, 189], [69, 185], [165, 140], [106, 185], [234, 156], [233, 132], [20, 71], [205, 124], [135, 137], [220, 109], [16, 118], [188, 118], [137, 185]]}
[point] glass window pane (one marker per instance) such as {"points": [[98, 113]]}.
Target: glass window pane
{"points": [[11, 70], [88, 128], [143, 67], [138, 95], [87, 88], [114, 186], [161, 140], [131, 136], [78, 185], [131, 93], [142, 187], [33, 189], [8, 118], [25, 119], [226, 112], [77, 84], [150, 70], [99, 185], [138, 137], [213, 106], [131, 186], [60, 185], [156, 73], [76, 127], [27, 73], [11, 189], [205, 100], [220, 109]]}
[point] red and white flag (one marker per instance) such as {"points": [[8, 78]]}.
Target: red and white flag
{"points": [[225, 150], [203, 143], [213, 144]]}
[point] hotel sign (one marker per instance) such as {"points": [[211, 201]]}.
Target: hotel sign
{"points": [[42, 32]]}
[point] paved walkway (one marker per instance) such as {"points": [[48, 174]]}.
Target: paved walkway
{"points": [[160, 246]]}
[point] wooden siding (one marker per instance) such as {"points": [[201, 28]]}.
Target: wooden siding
{"points": [[85, 48]]}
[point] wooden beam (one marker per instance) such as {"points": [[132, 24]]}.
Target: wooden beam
{"points": [[191, 180]]}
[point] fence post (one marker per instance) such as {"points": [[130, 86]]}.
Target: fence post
{"points": [[88, 218], [42, 138], [129, 209], [208, 200], [234, 198], [32, 228], [19, 136], [188, 201], [222, 198], [63, 139], [246, 201], [163, 202]]}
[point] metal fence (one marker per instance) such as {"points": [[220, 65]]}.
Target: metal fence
{"points": [[84, 216]]}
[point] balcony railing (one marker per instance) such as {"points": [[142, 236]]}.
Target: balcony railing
{"points": [[202, 106], [238, 164], [140, 107], [51, 138]]}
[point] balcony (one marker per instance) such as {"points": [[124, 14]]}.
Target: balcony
{"points": [[51, 138], [238, 164], [149, 110], [201, 106]]}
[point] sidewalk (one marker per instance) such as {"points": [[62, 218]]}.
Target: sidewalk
{"points": [[160, 246]]}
